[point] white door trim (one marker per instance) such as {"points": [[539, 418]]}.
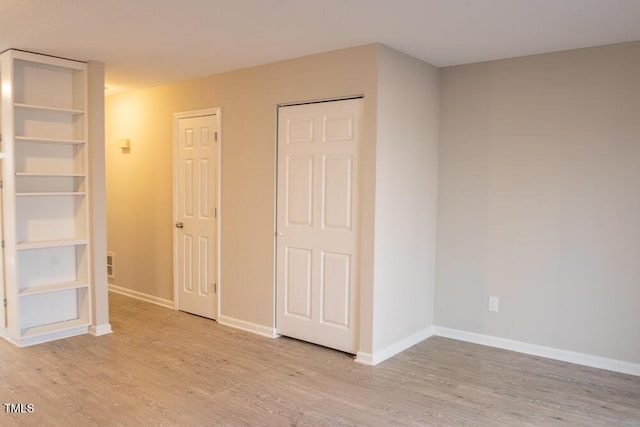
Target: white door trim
{"points": [[318, 101], [176, 118]]}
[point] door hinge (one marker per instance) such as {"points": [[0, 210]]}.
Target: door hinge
{"points": [[3, 243], [215, 212], [5, 302], [1, 183], [215, 136], [215, 288]]}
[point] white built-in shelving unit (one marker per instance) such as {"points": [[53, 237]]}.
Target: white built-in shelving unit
{"points": [[45, 219]]}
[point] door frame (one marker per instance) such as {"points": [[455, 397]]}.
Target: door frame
{"points": [[186, 115]]}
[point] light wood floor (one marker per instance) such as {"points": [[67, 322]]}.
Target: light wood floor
{"points": [[162, 367]]}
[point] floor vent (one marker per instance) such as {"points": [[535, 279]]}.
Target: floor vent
{"points": [[111, 260]]}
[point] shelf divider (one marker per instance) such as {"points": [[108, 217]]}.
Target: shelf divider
{"points": [[48, 108], [52, 174], [41, 140], [53, 287], [52, 193], [50, 244]]}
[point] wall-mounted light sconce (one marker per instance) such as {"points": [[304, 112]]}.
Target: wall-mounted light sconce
{"points": [[125, 144]]}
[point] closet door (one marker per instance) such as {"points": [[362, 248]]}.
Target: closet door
{"points": [[317, 222]]}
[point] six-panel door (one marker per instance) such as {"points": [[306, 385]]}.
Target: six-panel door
{"points": [[196, 228], [317, 222]]}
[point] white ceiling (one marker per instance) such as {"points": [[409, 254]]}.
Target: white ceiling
{"points": [[150, 42]]}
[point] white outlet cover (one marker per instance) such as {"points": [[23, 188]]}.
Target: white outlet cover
{"points": [[494, 303]]}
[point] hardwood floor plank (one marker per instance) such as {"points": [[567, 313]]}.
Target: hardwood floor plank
{"points": [[164, 367]]}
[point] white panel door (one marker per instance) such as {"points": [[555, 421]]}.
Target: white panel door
{"points": [[196, 216], [317, 222]]}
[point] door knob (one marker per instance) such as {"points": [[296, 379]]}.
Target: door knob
{"points": [[179, 225]]}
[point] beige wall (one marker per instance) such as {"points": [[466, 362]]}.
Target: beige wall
{"points": [[406, 197], [540, 200], [538, 194], [139, 183]]}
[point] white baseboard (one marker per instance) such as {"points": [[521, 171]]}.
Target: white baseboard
{"points": [[393, 349], [542, 351], [265, 331], [52, 336], [100, 330], [141, 296]]}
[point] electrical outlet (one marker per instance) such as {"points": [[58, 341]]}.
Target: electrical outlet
{"points": [[494, 303]]}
